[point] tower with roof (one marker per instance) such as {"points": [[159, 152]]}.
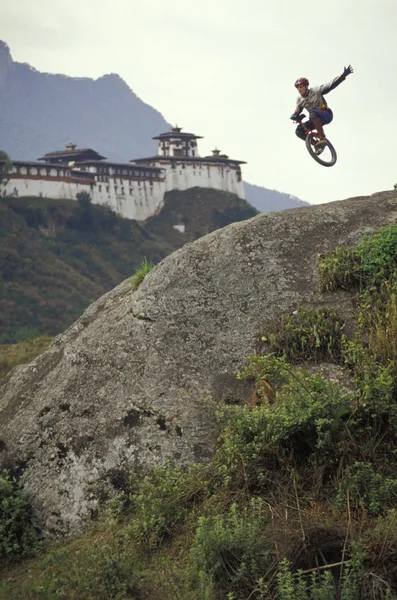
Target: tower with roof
{"points": [[178, 155]]}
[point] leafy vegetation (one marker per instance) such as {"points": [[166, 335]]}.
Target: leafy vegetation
{"points": [[18, 537], [58, 256], [300, 498], [201, 211], [308, 334]]}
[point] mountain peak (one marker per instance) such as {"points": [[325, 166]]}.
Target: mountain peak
{"points": [[6, 64]]}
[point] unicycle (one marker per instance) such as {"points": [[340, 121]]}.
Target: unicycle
{"points": [[326, 154]]}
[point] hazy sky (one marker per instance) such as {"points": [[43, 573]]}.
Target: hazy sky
{"points": [[225, 69]]}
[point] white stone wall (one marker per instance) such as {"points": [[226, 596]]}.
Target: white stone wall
{"points": [[130, 198], [207, 175], [45, 188]]}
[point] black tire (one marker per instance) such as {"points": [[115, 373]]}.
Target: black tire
{"points": [[317, 158]]}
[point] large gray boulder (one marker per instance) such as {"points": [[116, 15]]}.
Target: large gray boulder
{"points": [[124, 388]]}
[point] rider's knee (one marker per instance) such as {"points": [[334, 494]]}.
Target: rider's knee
{"points": [[300, 132], [314, 116]]}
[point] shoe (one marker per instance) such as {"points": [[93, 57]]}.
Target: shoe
{"points": [[320, 145]]}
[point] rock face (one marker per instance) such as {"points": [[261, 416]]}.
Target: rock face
{"points": [[124, 387]]}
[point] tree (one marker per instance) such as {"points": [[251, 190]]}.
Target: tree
{"points": [[83, 198], [5, 166], [86, 212]]}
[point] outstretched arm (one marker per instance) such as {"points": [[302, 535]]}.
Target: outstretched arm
{"points": [[328, 87]]}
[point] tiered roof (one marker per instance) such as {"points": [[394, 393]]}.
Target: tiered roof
{"points": [[72, 153], [177, 132]]}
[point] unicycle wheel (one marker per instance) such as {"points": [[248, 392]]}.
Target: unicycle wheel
{"points": [[326, 156]]}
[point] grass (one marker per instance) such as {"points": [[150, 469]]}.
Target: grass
{"points": [[145, 267], [12, 355]]}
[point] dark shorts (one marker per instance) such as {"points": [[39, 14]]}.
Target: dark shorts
{"points": [[325, 116]]}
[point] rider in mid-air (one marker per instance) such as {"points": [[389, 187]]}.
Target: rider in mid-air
{"points": [[312, 99]]}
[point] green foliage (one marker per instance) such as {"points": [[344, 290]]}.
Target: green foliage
{"points": [[369, 263], [308, 334], [322, 585], [58, 256], [366, 490], [83, 198], [229, 549], [5, 166], [145, 267], [202, 211], [299, 586], [375, 382], [52, 266], [162, 503], [18, 537], [307, 423]]}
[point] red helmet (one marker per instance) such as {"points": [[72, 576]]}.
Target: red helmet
{"points": [[302, 81]]}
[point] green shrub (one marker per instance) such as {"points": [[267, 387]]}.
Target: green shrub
{"points": [[18, 537], [305, 425], [300, 586], [164, 499], [83, 198], [369, 263], [229, 549], [309, 334], [366, 489], [323, 585], [139, 275]]}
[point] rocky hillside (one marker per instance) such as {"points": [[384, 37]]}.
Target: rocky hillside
{"points": [[123, 388], [56, 257]]}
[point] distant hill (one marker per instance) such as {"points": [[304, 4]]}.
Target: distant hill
{"points": [[270, 200], [56, 257], [41, 112]]}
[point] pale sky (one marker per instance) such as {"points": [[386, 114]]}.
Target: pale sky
{"points": [[225, 69]]}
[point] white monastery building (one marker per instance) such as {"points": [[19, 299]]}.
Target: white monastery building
{"points": [[134, 190]]}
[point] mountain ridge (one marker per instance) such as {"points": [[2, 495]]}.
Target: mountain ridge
{"points": [[42, 112]]}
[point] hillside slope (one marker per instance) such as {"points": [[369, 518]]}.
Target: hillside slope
{"points": [[123, 388], [57, 257]]}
